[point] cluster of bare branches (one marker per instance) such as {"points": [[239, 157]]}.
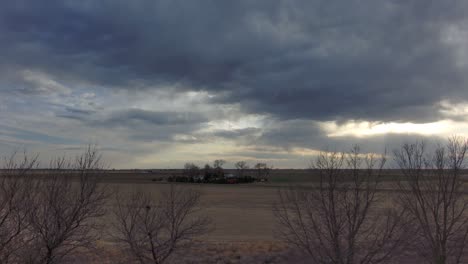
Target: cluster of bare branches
{"points": [[432, 191], [263, 170], [342, 219], [241, 167], [48, 214], [191, 170], [14, 204], [64, 208], [153, 228]]}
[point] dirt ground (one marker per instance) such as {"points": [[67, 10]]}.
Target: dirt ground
{"points": [[243, 227], [239, 212]]}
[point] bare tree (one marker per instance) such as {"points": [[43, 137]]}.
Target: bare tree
{"points": [[341, 220], [65, 205], [219, 163], [152, 230], [432, 191], [218, 167], [14, 188], [263, 170], [191, 170], [241, 166]]}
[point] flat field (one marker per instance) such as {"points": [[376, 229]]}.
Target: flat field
{"points": [[243, 221], [239, 212]]}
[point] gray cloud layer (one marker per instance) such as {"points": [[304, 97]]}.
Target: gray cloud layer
{"points": [[295, 62], [379, 60]]}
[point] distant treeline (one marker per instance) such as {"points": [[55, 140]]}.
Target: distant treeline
{"points": [[222, 180]]}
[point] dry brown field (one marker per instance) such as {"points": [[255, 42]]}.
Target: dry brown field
{"points": [[244, 225]]}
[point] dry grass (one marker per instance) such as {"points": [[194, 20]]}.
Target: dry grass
{"points": [[243, 219], [273, 252], [239, 212]]}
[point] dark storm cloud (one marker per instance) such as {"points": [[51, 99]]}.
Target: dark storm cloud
{"points": [[131, 117], [320, 60], [76, 113], [28, 135], [293, 133], [79, 111], [145, 126], [153, 118], [138, 124]]}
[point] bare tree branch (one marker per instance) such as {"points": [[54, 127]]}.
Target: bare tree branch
{"points": [[14, 188], [432, 192], [341, 220], [152, 230], [65, 205]]}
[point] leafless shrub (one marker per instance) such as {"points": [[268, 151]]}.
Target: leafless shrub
{"points": [[218, 164], [14, 188], [191, 170], [65, 204], [218, 168], [153, 230], [263, 170], [241, 167], [340, 221], [432, 191]]}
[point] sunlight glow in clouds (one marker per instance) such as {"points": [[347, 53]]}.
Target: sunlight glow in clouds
{"points": [[365, 128], [242, 122], [456, 114]]}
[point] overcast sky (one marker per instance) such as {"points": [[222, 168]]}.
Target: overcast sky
{"points": [[158, 83]]}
